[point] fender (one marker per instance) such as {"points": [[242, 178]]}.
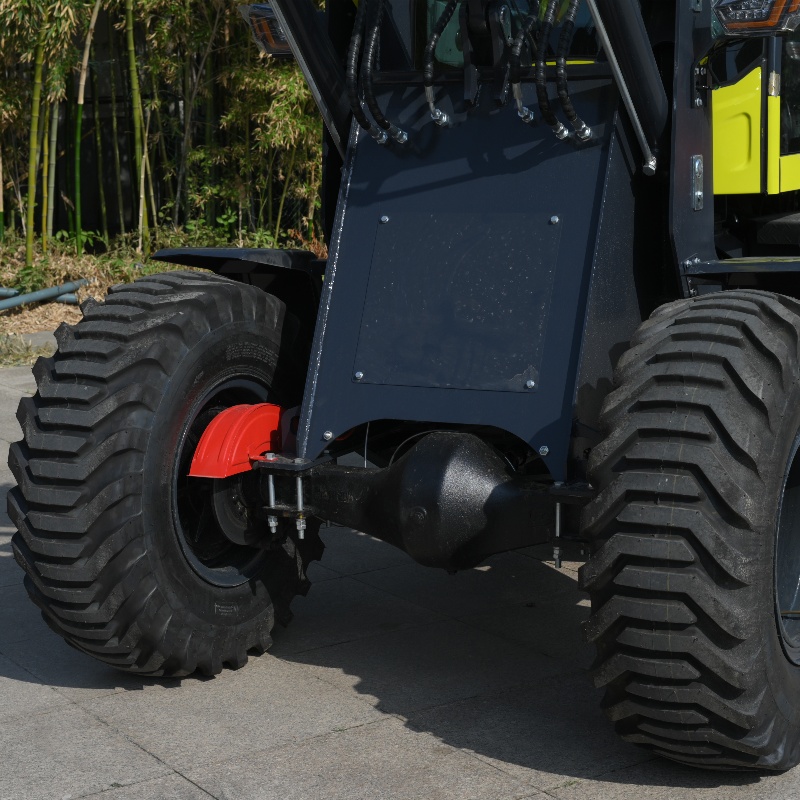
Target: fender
{"points": [[293, 276]]}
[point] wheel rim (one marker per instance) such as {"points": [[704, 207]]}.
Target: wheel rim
{"points": [[787, 559], [210, 553]]}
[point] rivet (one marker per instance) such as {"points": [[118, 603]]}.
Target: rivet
{"points": [[359, 376], [554, 220], [544, 450], [530, 384], [327, 436], [384, 219]]}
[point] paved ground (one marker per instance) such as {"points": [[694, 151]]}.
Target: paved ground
{"points": [[393, 681]]}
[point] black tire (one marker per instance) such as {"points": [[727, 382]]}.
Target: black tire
{"points": [[696, 522], [120, 549]]}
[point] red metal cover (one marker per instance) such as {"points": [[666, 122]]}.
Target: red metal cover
{"points": [[235, 439]]}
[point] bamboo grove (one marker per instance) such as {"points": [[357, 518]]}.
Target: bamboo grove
{"points": [[152, 120]]}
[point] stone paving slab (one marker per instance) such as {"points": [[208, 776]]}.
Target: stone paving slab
{"points": [[383, 759], [268, 703], [394, 682], [68, 753]]}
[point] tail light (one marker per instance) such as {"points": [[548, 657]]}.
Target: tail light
{"points": [[266, 30]]}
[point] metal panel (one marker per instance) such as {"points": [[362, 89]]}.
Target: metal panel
{"points": [[473, 316], [488, 163]]}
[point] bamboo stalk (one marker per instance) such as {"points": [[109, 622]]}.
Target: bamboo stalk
{"points": [[153, 206], [115, 133], [187, 116], [98, 139], [87, 47], [142, 201], [33, 144], [55, 112], [2, 206], [45, 174], [285, 192], [162, 143], [136, 96]]}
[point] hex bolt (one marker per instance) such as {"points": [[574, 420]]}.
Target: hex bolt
{"points": [[359, 376], [327, 436], [272, 520], [384, 219], [554, 220], [301, 517], [530, 384], [698, 101], [544, 450]]}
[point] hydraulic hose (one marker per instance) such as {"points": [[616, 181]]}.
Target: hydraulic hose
{"points": [[367, 67], [515, 71], [438, 116], [353, 93], [541, 73], [582, 130]]}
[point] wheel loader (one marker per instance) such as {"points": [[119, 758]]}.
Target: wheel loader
{"points": [[560, 305]]}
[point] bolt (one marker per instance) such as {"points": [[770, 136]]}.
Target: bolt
{"points": [[698, 101], [359, 376], [544, 450], [530, 384], [384, 219], [327, 436], [554, 220]]}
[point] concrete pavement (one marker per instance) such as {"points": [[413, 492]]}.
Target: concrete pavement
{"points": [[393, 681]]}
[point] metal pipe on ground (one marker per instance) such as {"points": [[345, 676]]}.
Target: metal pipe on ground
{"points": [[5, 292], [67, 299], [43, 294]]}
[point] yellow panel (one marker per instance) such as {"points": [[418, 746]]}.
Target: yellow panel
{"points": [[773, 145], [790, 173], [736, 115]]}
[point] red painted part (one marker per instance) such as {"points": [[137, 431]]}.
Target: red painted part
{"points": [[235, 439]]}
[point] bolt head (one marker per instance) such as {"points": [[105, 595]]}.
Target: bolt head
{"points": [[530, 384], [554, 220], [544, 450], [327, 436], [698, 101], [359, 376], [384, 219]]}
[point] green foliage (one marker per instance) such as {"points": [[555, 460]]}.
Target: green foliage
{"points": [[232, 138]]}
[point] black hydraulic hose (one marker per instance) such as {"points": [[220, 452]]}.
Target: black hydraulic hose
{"points": [[515, 70], [353, 93], [367, 68], [541, 72], [582, 130], [439, 116]]}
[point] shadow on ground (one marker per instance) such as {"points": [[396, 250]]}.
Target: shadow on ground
{"points": [[489, 661]]}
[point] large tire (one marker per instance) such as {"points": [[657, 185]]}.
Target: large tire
{"points": [[120, 548], [696, 522]]}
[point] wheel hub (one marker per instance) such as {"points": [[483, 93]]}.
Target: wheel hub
{"points": [[235, 512]]}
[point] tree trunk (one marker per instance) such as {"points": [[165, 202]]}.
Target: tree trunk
{"points": [[33, 146]]}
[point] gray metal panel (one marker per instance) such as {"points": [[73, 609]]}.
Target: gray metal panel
{"points": [[473, 317], [490, 163]]}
